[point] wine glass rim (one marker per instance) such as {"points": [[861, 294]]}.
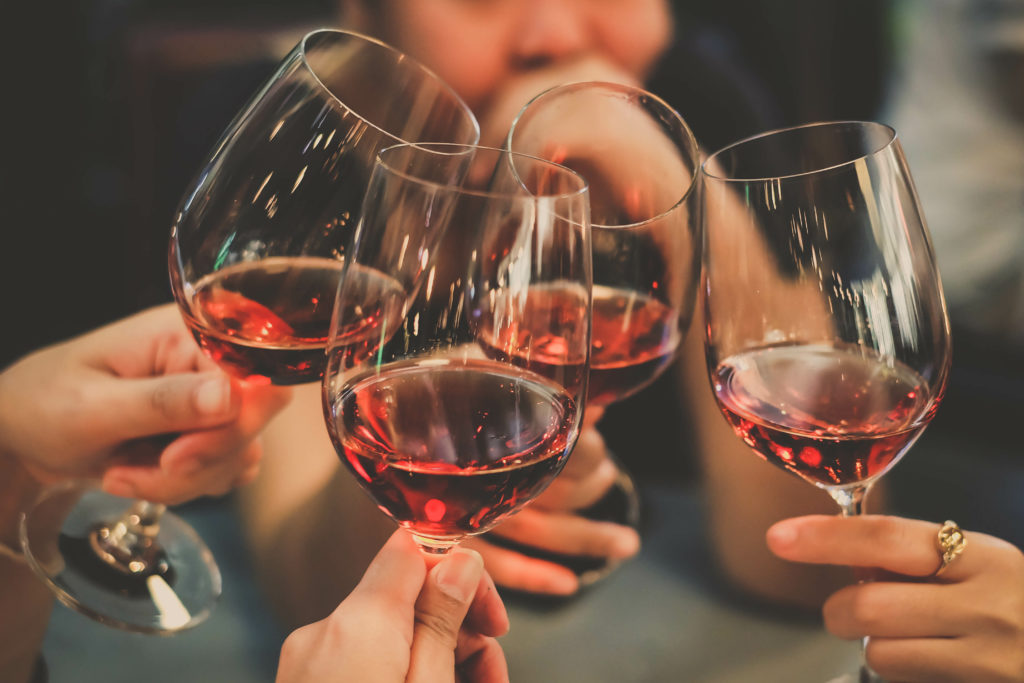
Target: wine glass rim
{"points": [[399, 57], [432, 147], [691, 145], [890, 139]]}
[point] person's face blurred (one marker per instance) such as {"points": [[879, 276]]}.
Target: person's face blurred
{"points": [[478, 45]]}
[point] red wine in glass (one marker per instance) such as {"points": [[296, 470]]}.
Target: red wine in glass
{"points": [[634, 336], [834, 415], [269, 320], [450, 448]]}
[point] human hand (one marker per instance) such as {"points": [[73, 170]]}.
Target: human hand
{"points": [[965, 625], [551, 523], [137, 403], [404, 622]]}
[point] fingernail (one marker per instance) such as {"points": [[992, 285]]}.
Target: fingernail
{"points": [[213, 397], [119, 487], [458, 574], [782, 534]]}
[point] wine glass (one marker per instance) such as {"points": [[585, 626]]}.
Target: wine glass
{"points": [[827, 339], [642, 164], [450, 394], [256, 251], [258, 243]]}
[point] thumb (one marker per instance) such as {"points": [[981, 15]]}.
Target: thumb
{"points": [[138, 407], [440, 610]]}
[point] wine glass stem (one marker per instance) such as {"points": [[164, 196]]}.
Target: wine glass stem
{"points": [[851, 504], [851, 500], [129, 543], [434, 547]]}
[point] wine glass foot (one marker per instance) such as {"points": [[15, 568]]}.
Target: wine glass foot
{"points": [[101, 560]]}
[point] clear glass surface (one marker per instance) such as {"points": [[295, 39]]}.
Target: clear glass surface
{"points": [[258, 243], [828, 343], [459, 348]]}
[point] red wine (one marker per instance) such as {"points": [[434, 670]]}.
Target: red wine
{"points": [[634, 338], [447, 448], [833, 415], [270, 319]]}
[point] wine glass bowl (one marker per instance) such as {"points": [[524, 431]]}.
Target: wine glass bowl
{"points": [[828, 342], [258, 242], [642, 164], [448, 417]]}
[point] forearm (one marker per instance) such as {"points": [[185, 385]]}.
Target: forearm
{"points": [[25, 602], [310, 529], [746, 496]]}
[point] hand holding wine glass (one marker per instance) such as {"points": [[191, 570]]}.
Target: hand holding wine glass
{"points": [[450, 412], [138, 406], [827, 339], [409, 619], [122, 392], [977, 634]]}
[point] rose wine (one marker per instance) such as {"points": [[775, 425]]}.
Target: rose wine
{"points": [[634, 337], [833, 415], [447, 448], [270, 319]]}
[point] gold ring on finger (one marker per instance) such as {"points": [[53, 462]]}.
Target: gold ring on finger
{"points": [[950, 542]]}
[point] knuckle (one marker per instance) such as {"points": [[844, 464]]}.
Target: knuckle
{"points": [[341, 627], [1005, 618], [885, 531], [863, 609], [292, 645], [439, 626], [161, 400]]}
